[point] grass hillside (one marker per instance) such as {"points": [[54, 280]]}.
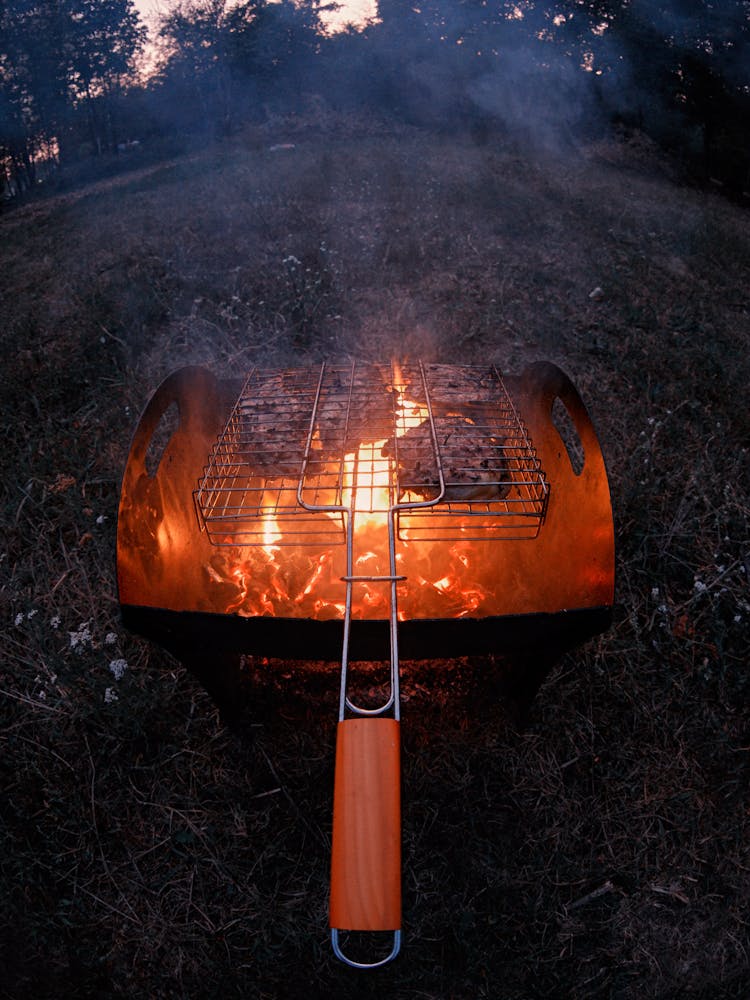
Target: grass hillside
{"points": [[603, 850]]}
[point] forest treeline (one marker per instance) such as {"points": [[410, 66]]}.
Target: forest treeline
{"points": [[79, 83]]}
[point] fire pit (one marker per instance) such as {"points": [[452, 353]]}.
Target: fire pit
{"points": [[365, 512]]}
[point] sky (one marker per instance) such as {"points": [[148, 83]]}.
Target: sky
{"points": [[356, 11]]}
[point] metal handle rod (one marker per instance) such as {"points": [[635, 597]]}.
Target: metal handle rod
{"points": [[349, 514], [364, 965], [393, 576], [392, 701], [347, 864]]}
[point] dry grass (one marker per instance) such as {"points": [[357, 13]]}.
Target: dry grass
{"points": [[603, 851]]}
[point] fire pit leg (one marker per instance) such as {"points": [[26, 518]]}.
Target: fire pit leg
{"points": [[220, 676]]}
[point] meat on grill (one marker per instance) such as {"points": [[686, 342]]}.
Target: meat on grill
{"points": [[450, 387], [473, 462], [275, 420], [274, 434]]}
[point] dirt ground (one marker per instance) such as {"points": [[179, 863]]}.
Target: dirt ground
{"points": [[602, 850]]}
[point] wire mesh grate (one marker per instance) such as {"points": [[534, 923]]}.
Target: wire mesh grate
{"points": [[442, 445]]}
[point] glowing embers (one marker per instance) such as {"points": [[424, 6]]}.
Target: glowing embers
{"points": [[255, 582], [454, 580]]}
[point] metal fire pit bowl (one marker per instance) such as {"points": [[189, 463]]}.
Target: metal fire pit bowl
{"points": [[371, 512]]}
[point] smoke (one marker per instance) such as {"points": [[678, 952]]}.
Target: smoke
{"points": [[546, 105]]}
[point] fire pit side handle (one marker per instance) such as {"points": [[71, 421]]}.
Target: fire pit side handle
{"points": [[195, 391], [156, 529], [578, 531], [541, 384]]}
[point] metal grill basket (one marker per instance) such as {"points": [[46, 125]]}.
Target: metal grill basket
{"points": [[443, 445]]}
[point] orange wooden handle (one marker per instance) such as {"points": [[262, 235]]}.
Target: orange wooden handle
{"points": [[366, 854]]}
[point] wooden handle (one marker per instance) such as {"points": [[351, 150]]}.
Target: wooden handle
{"points": [[366, 853]]}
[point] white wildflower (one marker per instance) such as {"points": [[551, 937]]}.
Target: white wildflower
{"points": [[110, 638], [101, 519], [54, 622], [699, 586], [81, 638], [654, 593], [34, 611], [117, 668], [18, 620], [42, 695], [110, 695]]}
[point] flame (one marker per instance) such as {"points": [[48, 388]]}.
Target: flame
{"points": [[367, 481], [272, 535], [412, 413]]}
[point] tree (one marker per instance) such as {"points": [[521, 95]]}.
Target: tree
{"points": [[59, 59], [277, 45], [680, 70], [103, 38], [32, 89], [195, 40], [215, 52]]}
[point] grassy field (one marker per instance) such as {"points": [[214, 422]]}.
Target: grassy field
{"points": [[603, 850]]}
